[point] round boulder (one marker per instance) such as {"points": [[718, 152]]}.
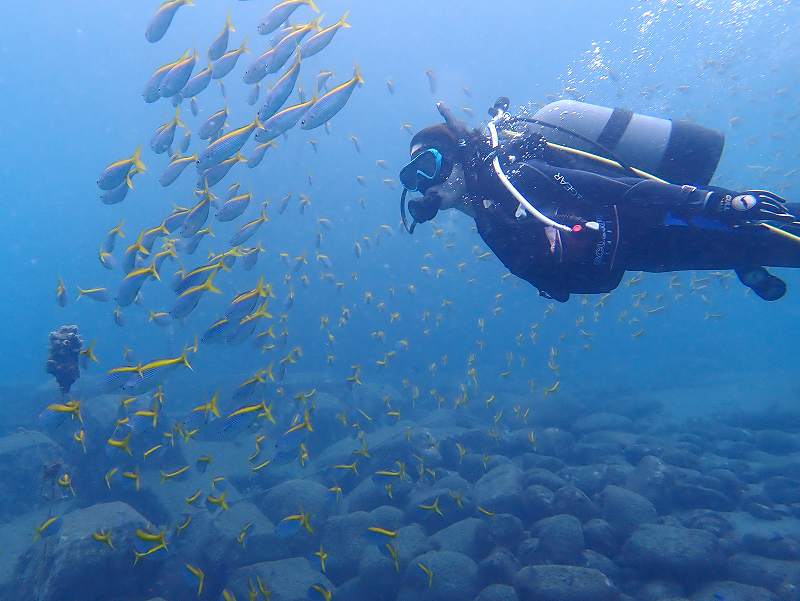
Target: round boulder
{"points": [[346, 534], [288, 579], [732, 591], [500, 490], [454, 577], [294, 496], [653, 480], [499, 567], [497, 592], [599, 536], [572, 500], [626, 510], [560, 539], [673, 553], [467, 536], [538, 501], [564, 583]]}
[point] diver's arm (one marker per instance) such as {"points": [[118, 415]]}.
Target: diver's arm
{"points": [[718, 203], [653, 194], [575, 184], [541, 179], [685, 200]]}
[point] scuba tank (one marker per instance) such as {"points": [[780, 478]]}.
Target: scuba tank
{"points": [[679, 152]]}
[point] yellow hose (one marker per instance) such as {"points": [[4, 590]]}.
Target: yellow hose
{"points": [[612, 163], [605, 161], [780, 232]]}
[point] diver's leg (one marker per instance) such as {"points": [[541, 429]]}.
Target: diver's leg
{"points": [[762, 282], [768, 246]]}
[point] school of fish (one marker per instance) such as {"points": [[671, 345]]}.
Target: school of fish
{"points": [[275, 410]]}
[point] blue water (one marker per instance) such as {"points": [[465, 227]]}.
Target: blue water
{"points": [[71, 94]]}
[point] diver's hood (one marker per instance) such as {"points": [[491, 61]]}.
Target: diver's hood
{"points": [[437, 136], [456, 143], [452, 138]]}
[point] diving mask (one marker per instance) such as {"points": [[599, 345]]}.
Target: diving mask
{"points": [[423, 171]]}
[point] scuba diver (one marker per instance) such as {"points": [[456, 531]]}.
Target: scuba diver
{"points": [[576, 195]]}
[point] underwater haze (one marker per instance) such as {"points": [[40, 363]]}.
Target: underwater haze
{"points": [[230, 372]]}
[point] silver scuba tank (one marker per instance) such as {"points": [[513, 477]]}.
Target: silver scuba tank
{"points": [[679, 152]]}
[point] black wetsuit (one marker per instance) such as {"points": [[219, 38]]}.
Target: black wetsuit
{"points": [[644, 225]]}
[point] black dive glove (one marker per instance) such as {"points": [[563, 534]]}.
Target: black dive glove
{"points": [[424, 208], [751, 205]]}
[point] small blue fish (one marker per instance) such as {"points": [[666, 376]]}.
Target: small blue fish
{"points": [[117, 172], [320, 40], [280, 12], [252, 96], [216, 331], [132, 284], [61, 293], [245, 302], [175, 220], [131, 256], [49, 527], [150, 236], [220, 44], [167, 253], [185, 141], [177, 77], [331, 102], [213, 124], [189, 299], [286, 47], [246, 326], [198, 82], [197, 217], [226, 63], [165, 134], [233, 190], [282, 121], [96, 294], [176, 166], [118, 194], [212, 176], [227, 258], [195, 276], [284, 204], [106, 259], [322, 80], [248, 230], [150, 92], [110, 241], [287, 529], [226, 146], [250, 257], [161, 21], [255, 158], [234, 207], [188, 246], [280, 90], [257, 70]]}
